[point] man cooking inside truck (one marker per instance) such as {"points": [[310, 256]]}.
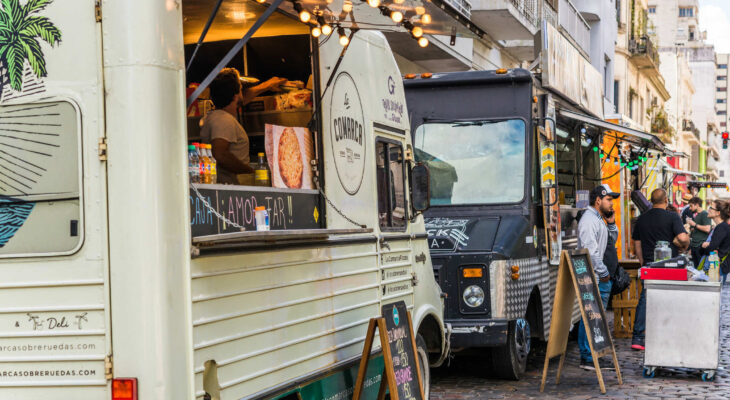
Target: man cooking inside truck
{"points": [[221, 129]]}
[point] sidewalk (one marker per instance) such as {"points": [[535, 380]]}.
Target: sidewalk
{"points": [[464, 380]]}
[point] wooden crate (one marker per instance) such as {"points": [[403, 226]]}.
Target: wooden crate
{"points": [[624, 306]]}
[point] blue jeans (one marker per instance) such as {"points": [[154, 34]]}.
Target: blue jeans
{"points": [[585, 347], [640, 316]]}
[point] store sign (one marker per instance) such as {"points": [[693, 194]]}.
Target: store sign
{"points": [[347, 133], [566, 71]]}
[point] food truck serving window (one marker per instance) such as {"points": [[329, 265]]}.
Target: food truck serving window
{"points": [[474, 162]]}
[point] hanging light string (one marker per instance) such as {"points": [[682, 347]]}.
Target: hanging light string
{"points": [[317, 20]]}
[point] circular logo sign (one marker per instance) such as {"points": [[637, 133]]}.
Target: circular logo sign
{"points": [[347, 133]]}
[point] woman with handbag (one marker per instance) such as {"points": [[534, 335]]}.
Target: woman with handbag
{"points": [[719, 239]]}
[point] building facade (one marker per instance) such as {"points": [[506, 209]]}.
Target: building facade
{"points": [[639, 89]]}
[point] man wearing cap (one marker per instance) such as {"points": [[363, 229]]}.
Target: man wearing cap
{"points": [[593, 235], [654, 225]]}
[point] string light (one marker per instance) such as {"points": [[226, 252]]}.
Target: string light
{"points": [[374, 3], [396, 16], [316, 31], [326, 29], [344, 40], [423, 42], [347, 6], [304, 15], [426, 18], [417, 31], [420, 10]]}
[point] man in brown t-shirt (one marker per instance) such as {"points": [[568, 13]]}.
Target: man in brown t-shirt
{"points": [[221, 129]]}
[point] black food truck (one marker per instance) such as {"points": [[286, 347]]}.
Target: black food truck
{"points": [[510, 165]]}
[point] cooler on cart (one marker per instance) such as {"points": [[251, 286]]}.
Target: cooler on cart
{"points": [[682, 326]]}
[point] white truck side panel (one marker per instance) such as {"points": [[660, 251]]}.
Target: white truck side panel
{"points": [[54, 310]]}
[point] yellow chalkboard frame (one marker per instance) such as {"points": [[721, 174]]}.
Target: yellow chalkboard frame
{"points": [[565, 297]]}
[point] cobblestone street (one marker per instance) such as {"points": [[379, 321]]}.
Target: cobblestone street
{"points": [[464, 380]]}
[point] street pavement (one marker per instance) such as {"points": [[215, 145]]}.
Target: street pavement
{"points": [[465, 378]]}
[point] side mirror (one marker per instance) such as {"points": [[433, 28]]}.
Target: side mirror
{"points": [[420, 187]]}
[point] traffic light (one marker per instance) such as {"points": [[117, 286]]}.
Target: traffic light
{"points": [[725, 138]]}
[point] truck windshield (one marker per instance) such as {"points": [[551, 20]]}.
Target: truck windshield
{"points": [[474, 162]]}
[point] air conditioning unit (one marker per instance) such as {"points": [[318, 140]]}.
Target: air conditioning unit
{"points": [[463, 7]]}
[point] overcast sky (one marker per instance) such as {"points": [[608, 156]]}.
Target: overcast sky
{"points": [[715, 19]]}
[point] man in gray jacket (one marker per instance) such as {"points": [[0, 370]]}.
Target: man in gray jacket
{"points": [[593, 235]]}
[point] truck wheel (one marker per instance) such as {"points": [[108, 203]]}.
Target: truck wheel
{"points": [[510, 360], [425, 370]]}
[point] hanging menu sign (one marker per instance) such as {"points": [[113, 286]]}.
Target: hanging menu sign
{"points": [[287, 208]]}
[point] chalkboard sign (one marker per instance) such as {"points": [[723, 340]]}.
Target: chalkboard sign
{"points": [[288, 209], [576, 280], [402, 350], [589, 297], [401, 373]]}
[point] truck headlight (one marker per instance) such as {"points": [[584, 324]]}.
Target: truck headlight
{"points": [[473, 296]]}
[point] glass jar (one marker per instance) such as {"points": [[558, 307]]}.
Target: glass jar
{"points": [[662, 251]]}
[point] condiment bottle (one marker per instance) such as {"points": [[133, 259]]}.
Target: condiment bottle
{"points": [[193, 165], [262, 173], [262, 218], [213, 164], [206, 164]]}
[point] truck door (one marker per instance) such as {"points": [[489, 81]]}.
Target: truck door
{"points": [[54, 315]]}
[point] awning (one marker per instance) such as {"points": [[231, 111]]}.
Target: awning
{"points": [[633, 136]]}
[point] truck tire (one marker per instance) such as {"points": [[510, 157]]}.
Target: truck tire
{"points": [[425, 370], [510, 360]]}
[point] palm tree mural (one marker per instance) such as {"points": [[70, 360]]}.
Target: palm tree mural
{"points": [[20, 31]]}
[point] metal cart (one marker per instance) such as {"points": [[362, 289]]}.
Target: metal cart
{"points": [[682, 326]]}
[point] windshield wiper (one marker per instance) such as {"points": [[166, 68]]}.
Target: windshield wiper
{"points": [[474, 123]]}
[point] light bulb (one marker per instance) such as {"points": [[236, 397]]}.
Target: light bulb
{"points": [[347, 6], [305, 16], [316, 31], [344, 40], [398, 1], [326, 29], [426, 18], [417, 31], [423, 42], [261, 1], [420, 10], [374, 3], [396, 16]]}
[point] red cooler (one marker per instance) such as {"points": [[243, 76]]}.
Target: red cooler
{"points": [[664, 274]]}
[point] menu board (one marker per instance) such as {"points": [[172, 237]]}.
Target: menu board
{"points": [[288, 209], [402, 350], [589, 298]]}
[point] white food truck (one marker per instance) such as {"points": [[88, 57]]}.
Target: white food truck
{"points": [[121, 280]]}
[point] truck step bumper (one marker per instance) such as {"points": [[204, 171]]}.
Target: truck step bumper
{"points": [[489, 333]]}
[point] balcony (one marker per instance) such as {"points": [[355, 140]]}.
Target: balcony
{"points": [[643, 53], [572, 24], [509, 20], [690, 133]]}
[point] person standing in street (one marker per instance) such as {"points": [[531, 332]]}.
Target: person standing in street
{"points": [[700, 226], [593, 235], [653, 226], [719, 239]]}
